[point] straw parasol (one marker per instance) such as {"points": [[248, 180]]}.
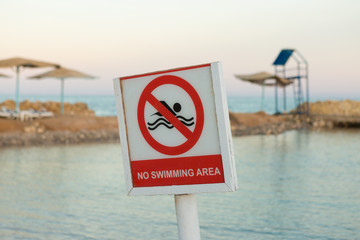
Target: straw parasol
{"points": [[262, 78], [62, 74], [23, 63], [4, 76]]}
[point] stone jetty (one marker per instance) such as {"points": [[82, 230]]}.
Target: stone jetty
{"points": [[80, 125]]}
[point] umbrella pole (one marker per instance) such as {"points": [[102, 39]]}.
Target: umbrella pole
{"points": [[62, 96], [17, 88], [276, 99], [284, 91], [262, 97]]}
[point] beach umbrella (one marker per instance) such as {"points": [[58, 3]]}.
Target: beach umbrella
{"points": [[19, 63], [261, 79], [62, 74], [4, 76]]}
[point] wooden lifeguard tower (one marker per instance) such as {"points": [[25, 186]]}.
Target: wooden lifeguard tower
{"points": [[298, 71]]}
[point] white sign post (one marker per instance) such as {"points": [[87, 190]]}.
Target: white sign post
{"points": [[175, 137], [187, 217]]}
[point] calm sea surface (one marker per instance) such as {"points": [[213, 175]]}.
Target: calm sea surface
{"points": [[105, 105], [297, 185]]}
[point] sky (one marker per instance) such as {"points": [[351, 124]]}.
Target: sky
{"points": [[114, 38]]}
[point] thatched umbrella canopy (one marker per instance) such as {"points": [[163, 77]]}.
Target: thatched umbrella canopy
{"points": [[4, 76], [62, 74], [23, 63], [261, 78]]}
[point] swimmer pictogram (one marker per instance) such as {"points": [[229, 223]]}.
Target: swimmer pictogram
{"points": [[161, 121], [170, 117]]}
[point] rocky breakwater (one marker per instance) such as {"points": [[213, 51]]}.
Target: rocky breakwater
{"points": [[59, 130], [261, 123], [54, 107], [78, 125], [331, 114]]}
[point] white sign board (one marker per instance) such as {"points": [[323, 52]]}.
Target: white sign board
{"points": [[175, 131]]}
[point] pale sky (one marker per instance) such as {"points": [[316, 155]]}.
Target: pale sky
{"points": [[113, 38]]}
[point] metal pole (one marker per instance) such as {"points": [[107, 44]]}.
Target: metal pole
{"points": [[276, 99], [17, 88], [307, 91], [300, 95], [62, 96], [187, 217], [307, 82], [300, 100], [262, 97], [284, 91]]}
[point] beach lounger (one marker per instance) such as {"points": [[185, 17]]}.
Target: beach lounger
{"points": [[46, 114], [24, 115], [41, 114], [6, 113]]}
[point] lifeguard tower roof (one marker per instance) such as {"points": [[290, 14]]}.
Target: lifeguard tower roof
{"points": [[283, 57]]}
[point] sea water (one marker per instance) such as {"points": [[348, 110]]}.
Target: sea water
{"points": [[104, 105], [296, 185]]}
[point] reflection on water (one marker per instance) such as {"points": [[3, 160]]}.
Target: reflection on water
{"points": [[297, 185]]}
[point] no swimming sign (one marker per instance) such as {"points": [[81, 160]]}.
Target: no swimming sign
{"points": [[174, 131]]}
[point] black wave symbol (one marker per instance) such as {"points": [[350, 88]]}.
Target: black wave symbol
{"points": [[163, 122]]}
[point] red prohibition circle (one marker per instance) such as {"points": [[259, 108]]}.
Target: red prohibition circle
{"points": [[192, 137]]}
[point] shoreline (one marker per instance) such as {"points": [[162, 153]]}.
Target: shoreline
{"points": [[80, 125], [65, 130], [16, 139]]}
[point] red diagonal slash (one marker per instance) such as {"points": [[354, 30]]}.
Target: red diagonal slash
{"points": [[191, 136], [169, 116]]}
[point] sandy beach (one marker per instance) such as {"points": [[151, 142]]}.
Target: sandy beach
{"points": [[80, 125], [73, 129], [58, 130]]}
